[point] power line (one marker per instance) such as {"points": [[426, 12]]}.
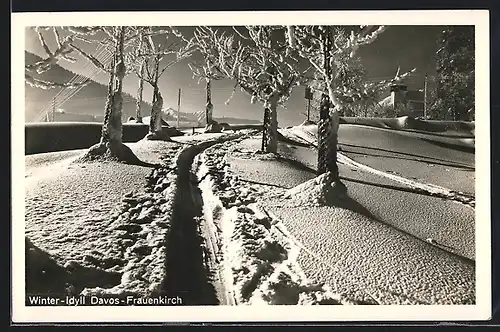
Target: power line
{"points": [[66, 93], [107, 57], [71, 92], [82, 78], [77, 78]]}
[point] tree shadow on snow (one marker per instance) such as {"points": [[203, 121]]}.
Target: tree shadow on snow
{"points": [[456, 147], [459, 166], [44, 276], [348, 203], [392, 187], [296, 164], [264, 183], [395, 152]]}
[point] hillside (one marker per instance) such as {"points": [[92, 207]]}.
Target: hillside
{"points": [[86, 105]]}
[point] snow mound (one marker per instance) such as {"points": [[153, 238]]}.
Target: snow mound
{"points": [[301, 134], [402, 122], [316, 192], [312, 192]]}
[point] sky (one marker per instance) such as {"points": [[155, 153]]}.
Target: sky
{"points": [[405, 46]]}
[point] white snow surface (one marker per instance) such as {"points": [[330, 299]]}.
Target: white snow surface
{"points": [[362, 259], [259, 259], [307, 134], [107, 217]]}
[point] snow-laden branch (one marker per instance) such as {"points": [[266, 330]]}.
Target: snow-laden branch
{"points": [[239, 33], [62, 51], [153, 57], [92, 59], [46, 85], [310, 42], [360, 39], [44, 43], [83, 30]]}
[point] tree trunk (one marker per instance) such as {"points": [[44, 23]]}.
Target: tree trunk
{"points": [[155, 121], [208, 107], [156, 131], [111, 145], [328, 126], [109, 105], [265, 125], [112, 126], [271, 126], [139, 95], [328, 123]]}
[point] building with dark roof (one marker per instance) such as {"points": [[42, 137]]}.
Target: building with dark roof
{"points": [[410, 102]]}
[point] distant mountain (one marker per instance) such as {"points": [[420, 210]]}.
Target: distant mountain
{"points": [[170, 115], [87, 103]]}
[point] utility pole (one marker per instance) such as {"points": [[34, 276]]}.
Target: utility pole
{"points": [[425, 97], [53, 109], [178, 107]]}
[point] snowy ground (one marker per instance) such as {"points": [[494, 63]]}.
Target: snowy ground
{"points": [[102, 228], [258, 260], [104, 222], [211, 209], [421, 157], [418, 207], [379, 263]]}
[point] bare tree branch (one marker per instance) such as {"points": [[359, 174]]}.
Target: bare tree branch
{"points": [[44, 43], [91, 58]]}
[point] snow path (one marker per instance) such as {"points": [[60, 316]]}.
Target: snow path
{"points": [[301, 135], [257, 259], [188, 275]]}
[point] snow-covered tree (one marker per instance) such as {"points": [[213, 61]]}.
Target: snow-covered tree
{"points": [[359, 96], [258, 63], [121, 42], [140, 90], [153, 60], [331, 51], [455, 59], [206, 70], [63, 51]]}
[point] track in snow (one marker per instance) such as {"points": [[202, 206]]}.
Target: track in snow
{"points": [[188, 275]]}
